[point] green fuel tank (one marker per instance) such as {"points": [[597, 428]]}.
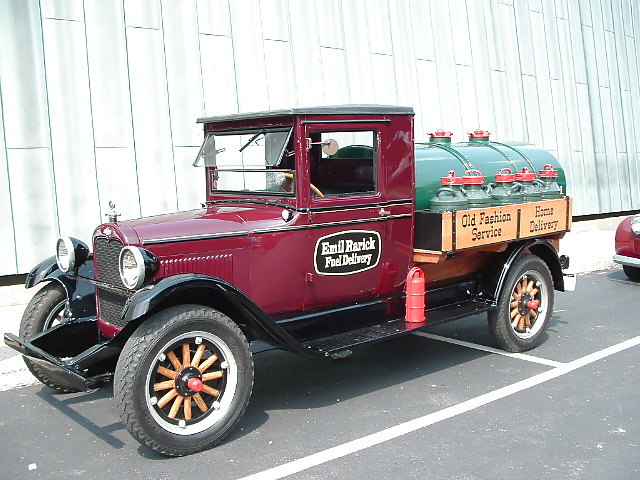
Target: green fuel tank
{"points": [[434, 160]]}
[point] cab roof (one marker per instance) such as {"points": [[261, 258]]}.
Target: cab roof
{"points": [[325, 110]]}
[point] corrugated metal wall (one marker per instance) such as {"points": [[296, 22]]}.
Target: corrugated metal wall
{"points": [[99, 98]]}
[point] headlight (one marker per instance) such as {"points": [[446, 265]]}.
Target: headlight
{"points": [[70, 253], [136, 266], [635, 225]]}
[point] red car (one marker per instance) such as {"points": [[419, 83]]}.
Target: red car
{"points": [[628, 246]]}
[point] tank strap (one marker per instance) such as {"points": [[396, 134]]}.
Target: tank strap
{"points": [[527, 159], [465, 161]]}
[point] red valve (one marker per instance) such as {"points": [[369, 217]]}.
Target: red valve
{"points": [[479, 133], [451, 179], [525, 175], [533, 304], [195, 384], [441, 134]]}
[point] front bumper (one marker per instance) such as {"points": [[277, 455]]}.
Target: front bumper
{"points": [[627, 261], [71, 353]]}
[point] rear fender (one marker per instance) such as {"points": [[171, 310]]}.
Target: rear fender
{"points": [[497, 273], [209, 291], [81, 294]]}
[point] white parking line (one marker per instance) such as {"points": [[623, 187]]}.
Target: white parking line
{"points": [[396, 431], [520, 356]]}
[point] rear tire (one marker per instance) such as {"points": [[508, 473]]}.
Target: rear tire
{"points": [[515, 326], [153, 380], [43, 312], [631, 272]]}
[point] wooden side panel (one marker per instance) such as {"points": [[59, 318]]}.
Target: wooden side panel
{"points": [[484, 226], [542, 218]]}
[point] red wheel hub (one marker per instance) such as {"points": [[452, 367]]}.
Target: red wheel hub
{"points": [[195, 384], [533, 304]]}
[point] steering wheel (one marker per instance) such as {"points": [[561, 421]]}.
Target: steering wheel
{"points": [[314, 189]]}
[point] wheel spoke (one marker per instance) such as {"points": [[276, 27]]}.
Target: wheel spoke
{"points": [[167, 398], [198, 355], [174, 361], [514, 312], [212, 376], [521, 323], [516, 321], [533, 313], [187, 409], [176, 406], [211, 391], [166, 372], [527, 322], [534, 292], [207, 363], [530, 286], [186, 355], [514, 304], [516, 296], [519, 288], [200, 402], [164, 385]]}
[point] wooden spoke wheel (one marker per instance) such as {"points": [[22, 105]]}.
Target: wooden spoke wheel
{"points": [[191, 380], [183, 380], [524, 306]]}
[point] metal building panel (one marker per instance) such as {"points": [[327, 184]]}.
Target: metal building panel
{"points": [[562, 9], [594, 92], [118, 181], [62, 9], [577, 44], [524, 40], [404, 58], [627, 16], [22, 74], [429, 110], [562, 132], [334, 78], [218, 75], [329, 15], [384, 82], [468, 101], [359, 70], [420, 11], [455, 13], [71, 127], [184, 74], [610, 167], [623, 65], [280, 82], [532, 109], [191, 181], [491, 20], [569, 88], [615, 100], [35, 234], [152, 131], [543, 83], [606, 9], [605, 182], [305, 48], [7, 239], [377, 17], [585, 11], [108, 74], [275, 17], [551, 39], [142, 13], [503, 114], [213, 17], [633, 146], [535, 6], [599, 53], [251, 75]]}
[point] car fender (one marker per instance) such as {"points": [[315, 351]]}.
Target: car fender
{"points": [[81, 294], [210, 291]]}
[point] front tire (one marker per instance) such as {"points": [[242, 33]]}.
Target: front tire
{"points": [[631, 272], [524, 307], [43, 312], [183, 380]]}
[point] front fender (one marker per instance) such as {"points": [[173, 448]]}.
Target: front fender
{"points": [[81, 294], [210, 291]]}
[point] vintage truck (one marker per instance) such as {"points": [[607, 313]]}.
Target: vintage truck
{"points": [[314, 220]]}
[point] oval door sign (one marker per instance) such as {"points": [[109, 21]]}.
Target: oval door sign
{"points": [[345, 253]]}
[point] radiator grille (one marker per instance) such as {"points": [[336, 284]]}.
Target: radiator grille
{"points": [[110, 304], [220, 266], [107, 253]]}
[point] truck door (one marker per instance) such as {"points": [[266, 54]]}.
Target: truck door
{"points": [[354, 249]]}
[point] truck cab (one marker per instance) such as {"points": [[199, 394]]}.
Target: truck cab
{"points": [[307, 241]]}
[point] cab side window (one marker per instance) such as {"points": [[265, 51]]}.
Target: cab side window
{"points": [[351, 170]]}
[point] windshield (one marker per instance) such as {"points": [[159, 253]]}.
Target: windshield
{"points": [[258, 160]]}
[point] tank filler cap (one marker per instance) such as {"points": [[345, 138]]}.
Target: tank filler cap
{"points": [[505, 175], [440, 136], [548, 171], [473, 177], [451, 179], [525, 175], [479, 136]]}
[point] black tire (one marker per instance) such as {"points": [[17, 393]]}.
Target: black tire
{"points": [[632, 272], [43, 312], [529, 280], [147, 353]]}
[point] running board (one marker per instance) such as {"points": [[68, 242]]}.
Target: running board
{"points": [[393, 328]]}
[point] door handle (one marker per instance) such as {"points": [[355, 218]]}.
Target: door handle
{"points": [[383, 212]]}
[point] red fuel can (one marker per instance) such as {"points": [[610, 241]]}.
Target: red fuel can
{"points": [[415, 296]]}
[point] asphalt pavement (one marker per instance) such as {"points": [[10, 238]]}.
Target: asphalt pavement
{"points": [[441, 405]]}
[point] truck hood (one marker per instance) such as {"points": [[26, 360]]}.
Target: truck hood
{"points": [[215, 220]]}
